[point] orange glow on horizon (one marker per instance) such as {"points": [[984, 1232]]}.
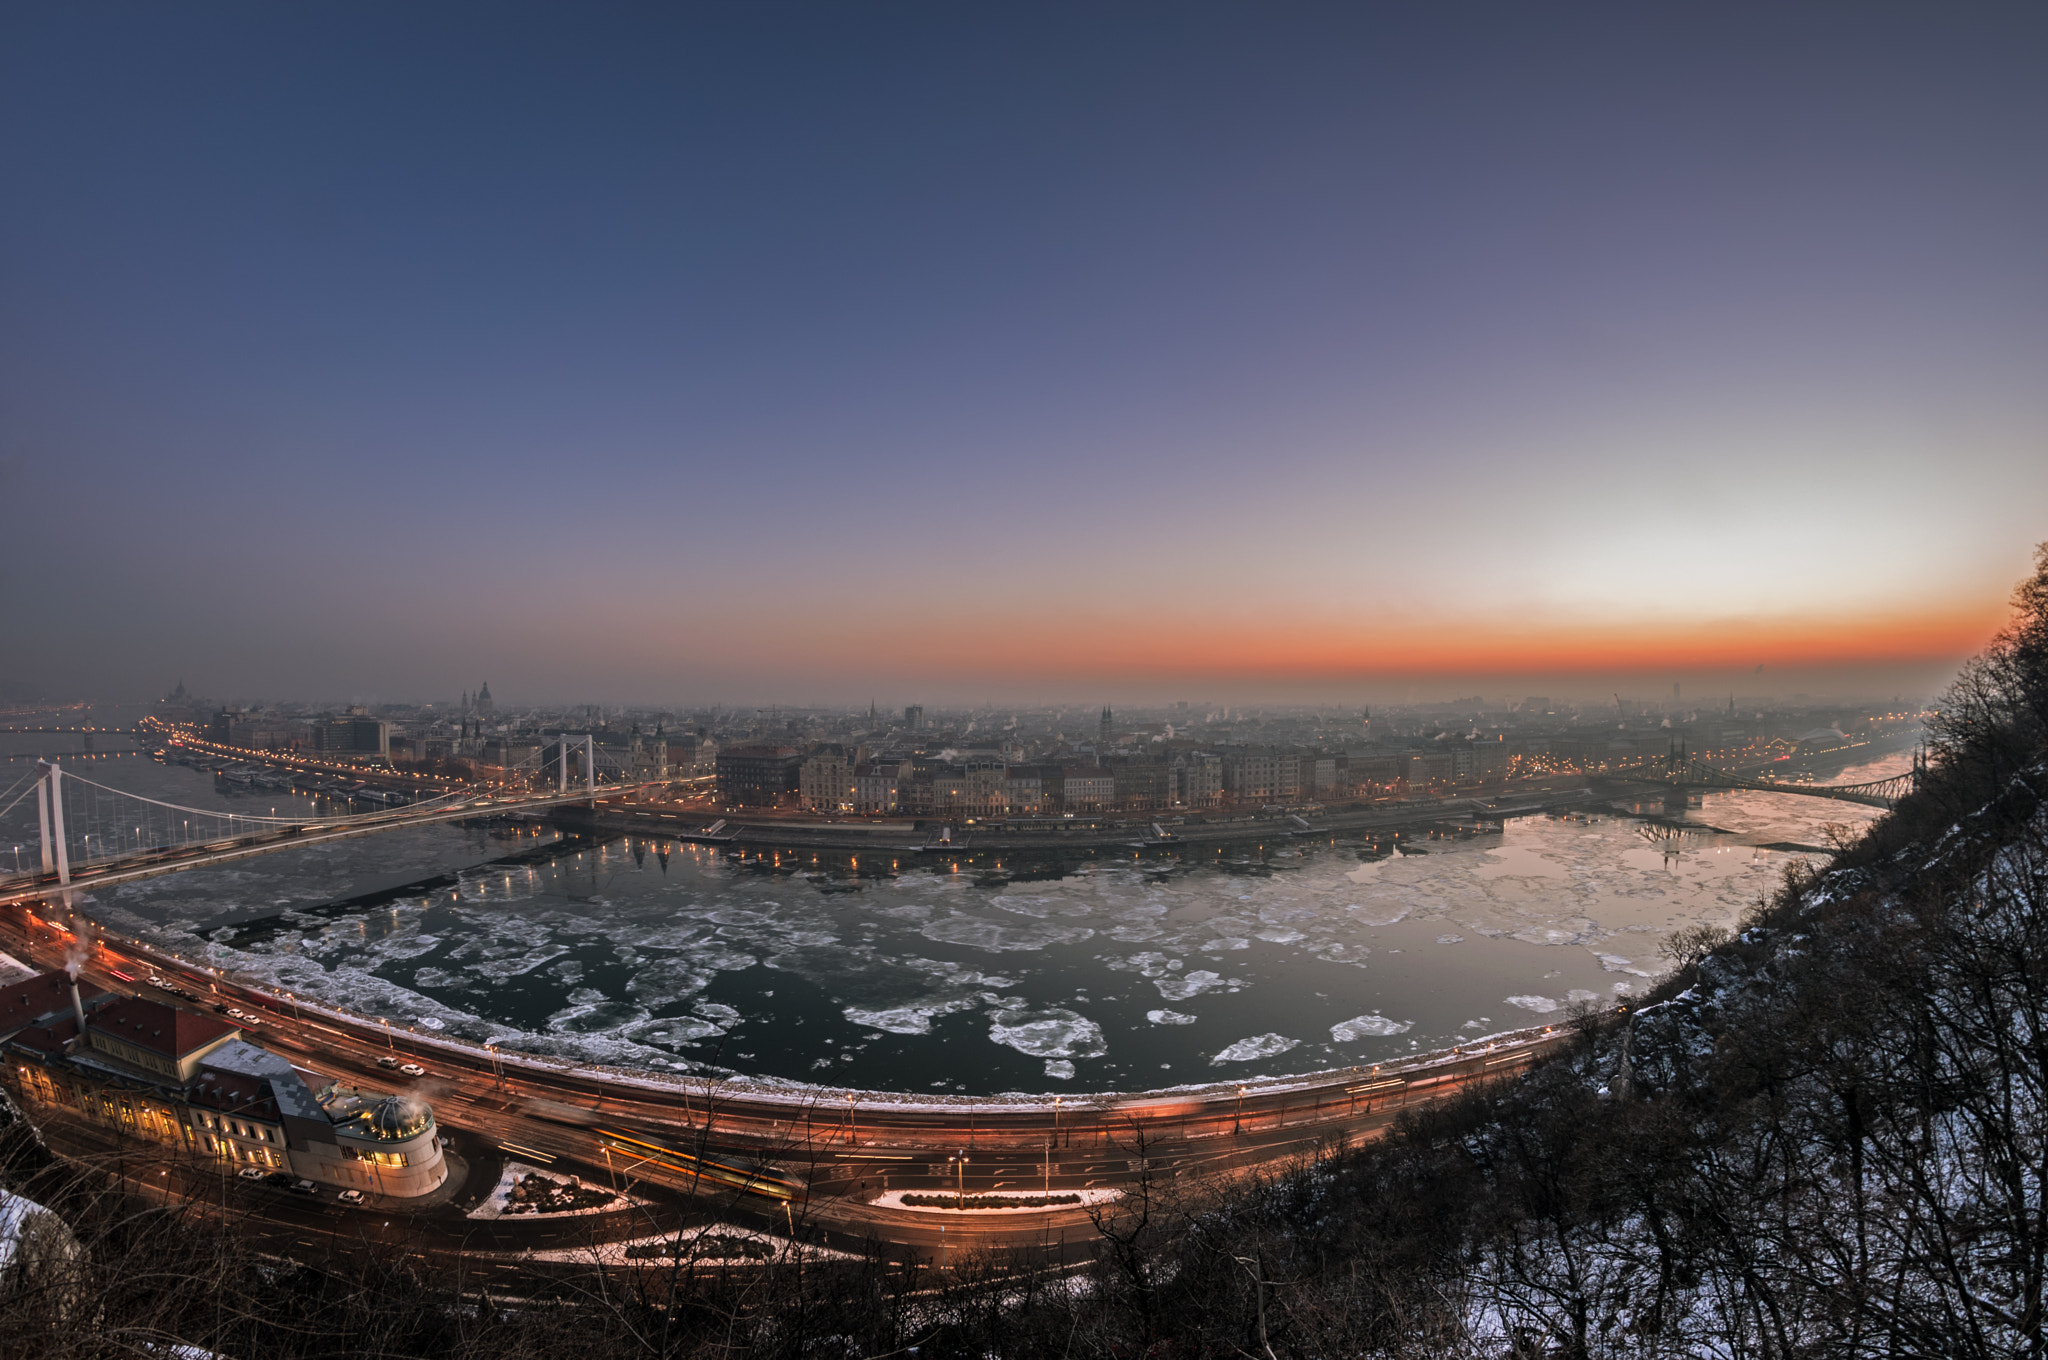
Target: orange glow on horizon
{"points": [[1305, 648]]}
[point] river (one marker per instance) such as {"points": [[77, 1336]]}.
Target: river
{"points": [[1085, 974]]}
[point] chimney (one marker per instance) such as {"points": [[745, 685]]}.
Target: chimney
{"points": [[78, 1006]]}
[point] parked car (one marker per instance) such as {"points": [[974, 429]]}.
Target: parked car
{"points": [[278, 1179], [303, 1187], [387, 1061], [349, 1196], [251, 1173], [413, 1070]]}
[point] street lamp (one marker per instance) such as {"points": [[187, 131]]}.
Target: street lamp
{"points": [[959, 1163]]}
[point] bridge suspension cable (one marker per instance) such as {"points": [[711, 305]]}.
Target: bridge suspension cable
{"points": [[85, 825], [256, 819]]}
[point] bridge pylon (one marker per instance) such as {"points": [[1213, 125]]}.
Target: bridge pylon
{"points": [[50, 821]]}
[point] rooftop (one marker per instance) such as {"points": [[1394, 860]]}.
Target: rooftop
{"points": [[161, 1029], [22, 1003]]}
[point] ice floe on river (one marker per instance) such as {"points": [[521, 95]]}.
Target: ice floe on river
{"points": [[1258, 1046], [1367, 1026]]}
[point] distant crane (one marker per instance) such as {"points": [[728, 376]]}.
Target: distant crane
{"points": [[1619, 711]]}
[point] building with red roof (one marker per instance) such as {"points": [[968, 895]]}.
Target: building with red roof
{"points": [[190, 1080]]}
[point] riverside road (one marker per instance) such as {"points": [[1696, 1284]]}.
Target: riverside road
{"points": [[849, 1147]]}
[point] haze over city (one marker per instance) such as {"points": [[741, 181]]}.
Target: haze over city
{"points": [[769, 354]]}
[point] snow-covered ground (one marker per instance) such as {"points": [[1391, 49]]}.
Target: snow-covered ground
{"points": [[893, 1199], [498, 1203]]}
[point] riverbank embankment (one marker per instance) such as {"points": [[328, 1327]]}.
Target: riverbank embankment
{"points": [[1156, 833]]}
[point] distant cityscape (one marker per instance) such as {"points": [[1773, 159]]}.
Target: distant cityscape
{"points": [[1052, 762]]}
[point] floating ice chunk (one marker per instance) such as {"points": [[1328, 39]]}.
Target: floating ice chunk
{"points": [[1169, 1018], [1581, 994], [1188, 984], [1149, 964], [911, 1019], [979, 934], [672, 1030], [1225, 944], [1053, 1032], [407, 946], [1059, 1068], [1280, 936], [1258, 1046], [1041, 906], [1367, 1026], [1450, 939], [1540, 1004], [1519, 862], [1379, 914], [590, 1012], [1615, 963]]}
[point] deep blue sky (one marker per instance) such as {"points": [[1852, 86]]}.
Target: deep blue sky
{"points": [[953, 351]]}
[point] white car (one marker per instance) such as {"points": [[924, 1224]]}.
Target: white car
{"points": [[349, 1196], [413, 1070], [251, 1173]]}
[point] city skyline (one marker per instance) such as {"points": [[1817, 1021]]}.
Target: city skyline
{"points": [[798, 355]]}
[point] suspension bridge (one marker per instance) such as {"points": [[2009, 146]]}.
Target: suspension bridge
{"points": [[91, 835]]}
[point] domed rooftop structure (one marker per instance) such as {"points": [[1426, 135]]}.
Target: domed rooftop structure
{"points": [[382, 1119]]}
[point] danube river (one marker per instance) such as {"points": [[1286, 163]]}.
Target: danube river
{"points": [[1088, 974]]}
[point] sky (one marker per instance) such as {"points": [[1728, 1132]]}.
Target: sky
{"points": [[943, 353]]}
